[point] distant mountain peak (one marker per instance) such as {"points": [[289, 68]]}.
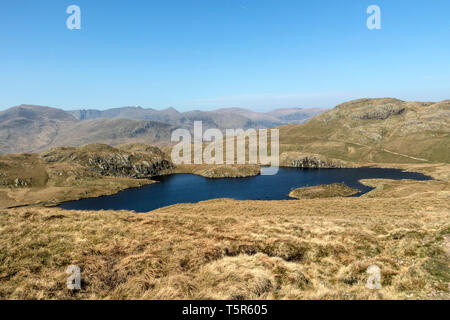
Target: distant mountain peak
{"points": [[172, 110], [33, 112]]}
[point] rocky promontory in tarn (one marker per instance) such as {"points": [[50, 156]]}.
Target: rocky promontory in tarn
{"points": [[221, 171], [323, 191]]}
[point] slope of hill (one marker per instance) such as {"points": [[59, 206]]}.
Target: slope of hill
{"points": [[35, 128], [229, 118], [132, 113], [28, 128], [375, 130], [296, 115], [260, 119], [113, 132]]}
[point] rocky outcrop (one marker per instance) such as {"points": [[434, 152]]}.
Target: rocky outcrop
{"points": [[16, 183], [310, 161], [313, 163], [137, 161], [381, 112], [127, 166]]}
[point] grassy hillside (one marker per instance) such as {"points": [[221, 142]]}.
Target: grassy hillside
{"points": [[375, 130]]}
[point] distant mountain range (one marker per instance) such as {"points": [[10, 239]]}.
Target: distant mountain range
{"points": [[28, 128], [230, 118]]}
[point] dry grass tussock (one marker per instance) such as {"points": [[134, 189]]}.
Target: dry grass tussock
{"points": [[226, 249]]}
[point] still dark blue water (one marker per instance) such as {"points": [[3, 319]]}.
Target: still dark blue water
{"points": [[183, 188]]}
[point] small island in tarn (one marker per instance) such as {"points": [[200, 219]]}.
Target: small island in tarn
{"points": [[220, 171], [323, 191]]}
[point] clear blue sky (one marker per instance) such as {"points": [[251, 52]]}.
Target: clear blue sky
{"points": [[204, 54]]}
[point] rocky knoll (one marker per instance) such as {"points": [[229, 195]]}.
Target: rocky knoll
{"points": [[137, 161]]}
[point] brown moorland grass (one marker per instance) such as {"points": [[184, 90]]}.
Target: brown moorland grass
{"points": [[226, 249]]}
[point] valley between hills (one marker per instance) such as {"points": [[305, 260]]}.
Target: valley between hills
{"points": [[226, 249]]}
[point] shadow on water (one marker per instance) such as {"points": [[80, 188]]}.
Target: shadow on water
{"points": [[188, 188]]}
